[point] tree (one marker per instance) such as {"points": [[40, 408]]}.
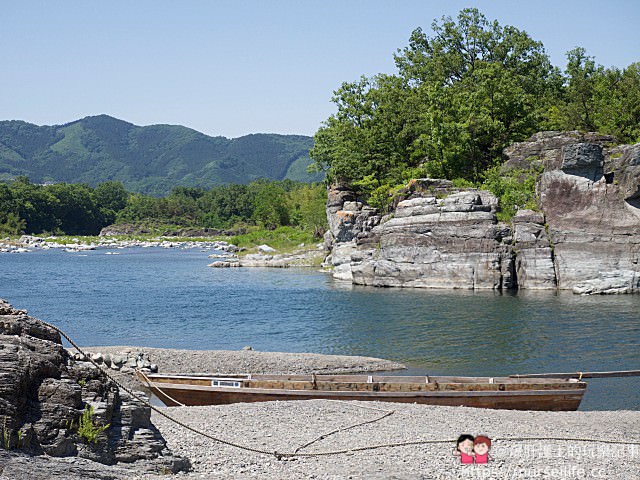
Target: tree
{"points": [[307, 207], [270, 207], [75, 210], [459, 98], [594, 98], [36, 205], [583, 76], [227, 205], [110, 198]]}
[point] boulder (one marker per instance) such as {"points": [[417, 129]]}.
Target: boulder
{"points": [[45, 392]]}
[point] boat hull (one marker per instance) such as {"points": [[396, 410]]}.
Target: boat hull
{"points": [[479, 392], [529, 400]]}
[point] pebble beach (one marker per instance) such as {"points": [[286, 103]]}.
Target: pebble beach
{"points": [[558, 444]]}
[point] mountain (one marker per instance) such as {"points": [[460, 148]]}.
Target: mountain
{"points": [[151, 159]]}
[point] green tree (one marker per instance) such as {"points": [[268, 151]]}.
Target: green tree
{"points": [[583, 76], [459, 98], [226, 205], [36, 205], [594, 98], [12, 224], [110, 198], [617, 103], [75, 210], [270, 205], [307, 207]]}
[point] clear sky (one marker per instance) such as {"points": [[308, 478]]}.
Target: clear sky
{"points": [[233, 67]]}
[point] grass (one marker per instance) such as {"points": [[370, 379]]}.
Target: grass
{"points": [[283, 239], [88, 429]]}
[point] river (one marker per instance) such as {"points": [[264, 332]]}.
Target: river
{"points": [[170, 298]]}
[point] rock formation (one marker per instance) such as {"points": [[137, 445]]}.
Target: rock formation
{"points": [[44, 393], [589, 194], [585, 238], [451, 242]]}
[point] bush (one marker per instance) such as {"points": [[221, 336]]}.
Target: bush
{"points": [[516, 189]]}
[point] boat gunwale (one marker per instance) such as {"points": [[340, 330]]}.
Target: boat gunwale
{"points": [[368, 379]]}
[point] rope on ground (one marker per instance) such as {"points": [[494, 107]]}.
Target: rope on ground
{"points": [[343, 429], [280, 455]]}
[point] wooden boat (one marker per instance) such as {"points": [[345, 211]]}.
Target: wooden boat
{"points": [[482, 392]]}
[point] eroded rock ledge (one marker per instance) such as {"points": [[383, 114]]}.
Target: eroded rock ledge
{"points": [[43, 394], [585, 238]]}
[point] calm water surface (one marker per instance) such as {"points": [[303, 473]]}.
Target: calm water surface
{"points": [[169, 298]]}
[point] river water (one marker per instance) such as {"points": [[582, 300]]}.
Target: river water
{"points": [[170, 298]]}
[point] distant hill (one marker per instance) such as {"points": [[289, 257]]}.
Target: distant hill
{"points": [[149, 160]]}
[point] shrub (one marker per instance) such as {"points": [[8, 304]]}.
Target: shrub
{"points": [[516, 189]]}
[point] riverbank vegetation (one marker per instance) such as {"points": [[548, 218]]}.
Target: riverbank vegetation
{"points": [[78, 209], [459, 97]]}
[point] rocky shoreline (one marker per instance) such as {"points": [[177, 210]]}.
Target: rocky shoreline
{"points": [[226, 253], [310, 427], [583, 238], [53, 406], [286, 426], [29, 243]]}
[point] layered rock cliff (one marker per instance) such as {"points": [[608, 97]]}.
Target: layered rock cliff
{"points": [[584, 238], [44, 393]]}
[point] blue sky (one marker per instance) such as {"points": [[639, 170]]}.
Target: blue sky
{"points": [[237, 67]]}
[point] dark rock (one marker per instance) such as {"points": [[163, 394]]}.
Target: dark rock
{"points": [[44, 392], [583, 159]]}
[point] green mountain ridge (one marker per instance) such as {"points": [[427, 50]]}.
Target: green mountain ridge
{"points": [[151, 159]]}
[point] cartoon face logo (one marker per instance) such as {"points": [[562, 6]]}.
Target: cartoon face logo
{"points": [[481, 446], [473, 450], [464, 448]]}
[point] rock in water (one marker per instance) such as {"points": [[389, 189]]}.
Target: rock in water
{"points": [[585, 238], [45, 391]]}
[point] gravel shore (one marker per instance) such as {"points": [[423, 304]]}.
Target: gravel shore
{"points": [[287, 426]]}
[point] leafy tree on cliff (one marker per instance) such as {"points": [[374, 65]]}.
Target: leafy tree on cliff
{"points": [[595, 98], [459, 98]]}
